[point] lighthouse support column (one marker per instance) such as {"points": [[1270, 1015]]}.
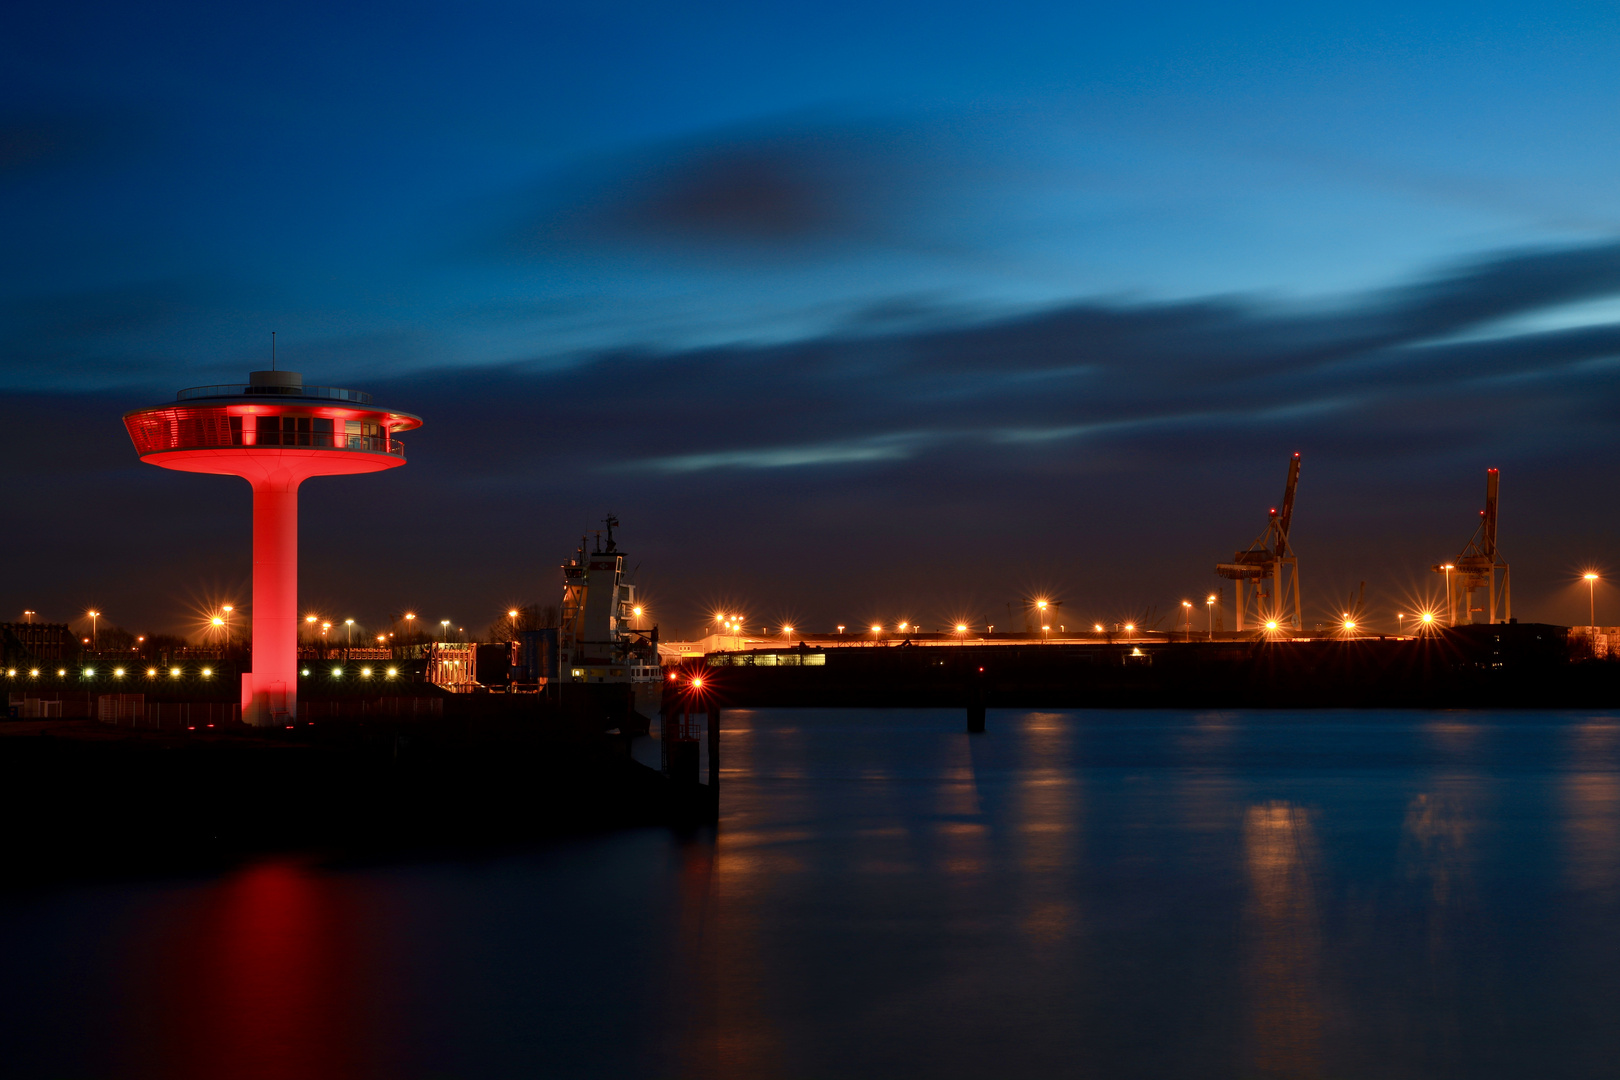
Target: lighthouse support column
{"points": [[270, 690]]}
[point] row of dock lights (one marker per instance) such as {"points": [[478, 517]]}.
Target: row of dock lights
{"points": [[117, 673], [176, 673], [365, 673]]}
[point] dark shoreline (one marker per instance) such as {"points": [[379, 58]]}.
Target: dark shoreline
{"points": [[85, 800]]}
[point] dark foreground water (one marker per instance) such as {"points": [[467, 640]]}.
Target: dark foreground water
{"points": [[1161, 894]]}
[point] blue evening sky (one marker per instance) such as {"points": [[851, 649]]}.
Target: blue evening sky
{"points": [[423, 186]]}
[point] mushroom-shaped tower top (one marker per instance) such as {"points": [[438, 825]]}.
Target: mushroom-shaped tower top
{"points": [[273, 424]]}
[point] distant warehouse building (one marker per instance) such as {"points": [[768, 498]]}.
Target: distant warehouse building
{"points": [[36, 643]]}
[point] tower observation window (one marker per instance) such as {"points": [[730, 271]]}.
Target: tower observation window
{"points": [[295, 431]]}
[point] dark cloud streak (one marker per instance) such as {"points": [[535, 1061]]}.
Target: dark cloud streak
{"points": [[1082, 372], [785, 191]]}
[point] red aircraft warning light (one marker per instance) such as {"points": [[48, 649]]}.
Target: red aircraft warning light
{"points": [[275, 433]]}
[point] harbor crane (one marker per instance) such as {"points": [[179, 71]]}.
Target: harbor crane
{"points": [[1271, 568], [1479, 566]]}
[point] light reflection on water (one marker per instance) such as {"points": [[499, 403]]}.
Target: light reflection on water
{"points": [[1152, 894], [1283, 942]]}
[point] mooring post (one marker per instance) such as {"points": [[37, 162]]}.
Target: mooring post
{"points": [[680, 740], [975, 702], [714, 760]]}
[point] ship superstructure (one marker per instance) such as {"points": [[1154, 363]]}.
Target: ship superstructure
{"points": [[602, 639]]}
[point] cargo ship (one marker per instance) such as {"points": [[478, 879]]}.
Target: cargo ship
{"points": [[602, 639]]}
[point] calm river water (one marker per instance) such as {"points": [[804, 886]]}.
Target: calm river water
{"points": [[1108, 894]]}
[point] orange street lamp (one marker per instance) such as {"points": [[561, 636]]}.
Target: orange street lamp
{"points": [[94, 615], [1209, 607], [1591, 597]]}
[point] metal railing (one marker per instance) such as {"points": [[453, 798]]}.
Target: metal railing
{"points": [[375, 444], [371, 444], [325, 393]]}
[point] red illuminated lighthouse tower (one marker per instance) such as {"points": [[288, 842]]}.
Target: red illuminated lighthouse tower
{"points": [[275, 432]]}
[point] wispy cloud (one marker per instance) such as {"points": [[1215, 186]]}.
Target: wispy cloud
{"points": [[887, 448]]}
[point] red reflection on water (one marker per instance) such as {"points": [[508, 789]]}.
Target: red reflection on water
{"points": [[259, 981]]}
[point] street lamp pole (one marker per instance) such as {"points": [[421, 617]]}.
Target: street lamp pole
{"points": [[227, 609], [1209, 606], [1451, 605], [94, 645], [1591, 599]]}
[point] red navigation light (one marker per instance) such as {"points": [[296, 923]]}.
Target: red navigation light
{"points": [[981, 669]]}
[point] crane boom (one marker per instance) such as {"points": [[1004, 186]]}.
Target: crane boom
{"points": [[1488, 526], [1286, 518], [1269, 569]]}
